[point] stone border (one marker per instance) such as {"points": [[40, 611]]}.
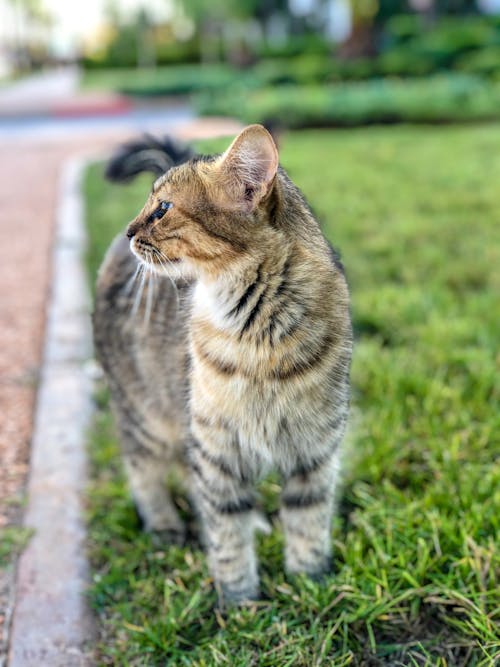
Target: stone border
{"points": [[51, 624]]}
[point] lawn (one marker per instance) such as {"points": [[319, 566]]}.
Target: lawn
{"points": [[416, 215]]}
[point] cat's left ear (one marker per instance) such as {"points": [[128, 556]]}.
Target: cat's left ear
{"points": [[249, 166]]}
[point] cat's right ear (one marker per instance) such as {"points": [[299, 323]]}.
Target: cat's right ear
{"points": [[248, 167]]}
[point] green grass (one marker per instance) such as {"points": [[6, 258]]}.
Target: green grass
{"points": [[416, 215], [13, 539]]}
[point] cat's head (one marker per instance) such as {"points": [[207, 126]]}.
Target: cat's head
{"points": [[208, 212]]}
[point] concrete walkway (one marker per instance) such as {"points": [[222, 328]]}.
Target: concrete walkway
{"points": [[51, 622], [29, 182], [56, 93], [50, 106], [39, 92], [30, 187]]}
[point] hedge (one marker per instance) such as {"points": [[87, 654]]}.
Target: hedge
{"points": [[440, 99]]}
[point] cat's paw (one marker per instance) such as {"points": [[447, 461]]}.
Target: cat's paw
{"points": [[230, 597], [317, 571], [164, 529], [165, 536]]}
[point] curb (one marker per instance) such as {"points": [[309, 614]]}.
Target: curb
{"points": [[92, 105], [83, 107], [51, 624]]}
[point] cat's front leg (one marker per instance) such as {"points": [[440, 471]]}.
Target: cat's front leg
{"points": [[225, 503], [306, 513]]}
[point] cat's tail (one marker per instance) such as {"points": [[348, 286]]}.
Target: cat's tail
{"points": [[154, 154]]}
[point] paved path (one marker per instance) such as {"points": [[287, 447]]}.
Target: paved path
{"points": [[51, 623], [55, 93], [50, 106], [28, 200], [30, 170], [29, 129], [37, 93]]}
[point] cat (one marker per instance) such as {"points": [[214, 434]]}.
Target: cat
{"points": [[236, 361]]}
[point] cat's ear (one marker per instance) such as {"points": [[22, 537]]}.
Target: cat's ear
{"points": [[249, 166]]}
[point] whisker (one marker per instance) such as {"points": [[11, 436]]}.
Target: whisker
{"points": [[150, 292], [162, 259], [139, 291], [162, 256], [131, 281]]}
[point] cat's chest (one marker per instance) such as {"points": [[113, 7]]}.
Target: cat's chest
{"points": [[235, 381], [224, 358]]}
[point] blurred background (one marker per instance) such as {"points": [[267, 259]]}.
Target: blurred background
{"points": [[298, 63]]}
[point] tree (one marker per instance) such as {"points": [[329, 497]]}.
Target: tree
{"points": [[31, 34], [217, 21]]}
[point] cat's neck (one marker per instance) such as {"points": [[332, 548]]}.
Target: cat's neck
{"points": [[231, 300]]}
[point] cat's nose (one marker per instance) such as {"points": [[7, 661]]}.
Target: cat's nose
{"points": [[132, 228]]}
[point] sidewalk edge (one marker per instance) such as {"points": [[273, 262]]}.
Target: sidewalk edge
{"points": [[51, 622]]}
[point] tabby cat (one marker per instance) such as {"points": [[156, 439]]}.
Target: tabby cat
{"points": [[236, 360]]}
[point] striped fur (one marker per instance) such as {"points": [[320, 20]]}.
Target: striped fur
{"points": [[246, 371]]}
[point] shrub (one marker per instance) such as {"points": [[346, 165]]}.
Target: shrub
{"points": [[485, 62], [450, 38], [307, 68], [437, 100], [440, 45], [311, 68], [177, 53], [404, 62], [296, 45], [177, 80], [401, 28], [123, 55], [269, 72]]}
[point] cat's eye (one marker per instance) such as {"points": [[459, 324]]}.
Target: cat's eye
{"points": [[159, 212]]}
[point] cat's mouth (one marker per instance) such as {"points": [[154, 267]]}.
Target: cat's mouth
{"points": [[150, 255]]}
